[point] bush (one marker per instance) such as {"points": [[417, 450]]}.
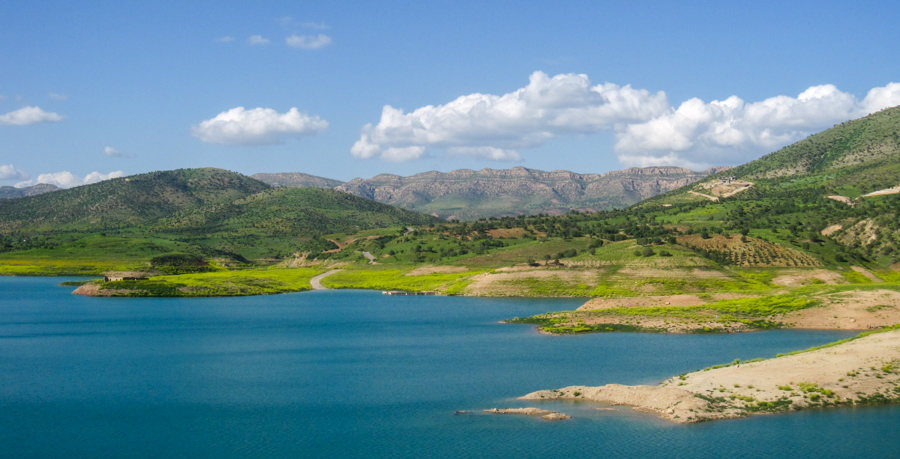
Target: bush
{"points": [[647, 252]]}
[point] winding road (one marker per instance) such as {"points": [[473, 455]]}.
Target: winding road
{"points": [[316, 282]]}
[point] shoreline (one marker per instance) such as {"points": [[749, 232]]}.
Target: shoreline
{"points": [[858, 371]]}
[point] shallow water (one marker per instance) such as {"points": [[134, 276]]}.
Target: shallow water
{"points": [[359, 374]]}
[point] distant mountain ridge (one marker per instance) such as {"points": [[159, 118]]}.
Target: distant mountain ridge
{"points": [[468, 194], [8, 192], [296, 179]]}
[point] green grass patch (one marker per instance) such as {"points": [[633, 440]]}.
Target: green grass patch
{"points": [[219, 283], [398, 279]]}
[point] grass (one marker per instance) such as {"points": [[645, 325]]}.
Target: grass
{"points": [[220, 283], [751, 313], [399, 279], [63, 267]]}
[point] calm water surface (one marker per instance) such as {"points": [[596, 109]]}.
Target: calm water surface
{"points": [[359, 374]]}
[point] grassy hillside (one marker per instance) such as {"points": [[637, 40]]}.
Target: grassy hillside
{"points": [[210, 213], [872, 142], [125, 202]]}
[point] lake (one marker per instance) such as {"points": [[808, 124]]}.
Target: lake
{"points": [[360, 374]]}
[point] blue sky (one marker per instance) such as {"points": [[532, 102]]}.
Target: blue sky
{"points": [[94, 89]]}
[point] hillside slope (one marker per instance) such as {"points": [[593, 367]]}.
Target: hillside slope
{"points": [[205, 212], [296, 179], [833, 193], [127, 201]]}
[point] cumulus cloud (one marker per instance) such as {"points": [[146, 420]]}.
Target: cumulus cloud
{"points": [[8, 172], [66, 179], [308, 41], [881, 98], [113, 153], [28, 115], [732, 131], [493, 127], [258, 126], [647, 129], [257, 40], [56, 96]]}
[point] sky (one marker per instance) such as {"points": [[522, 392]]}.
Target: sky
{"points": [[92, 90]]}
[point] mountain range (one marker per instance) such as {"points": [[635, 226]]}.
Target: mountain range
{"points": [[9, 192], [466, 194]]}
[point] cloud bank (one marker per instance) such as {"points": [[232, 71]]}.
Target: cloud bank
{"points": [[29, 115], [8, 172], [544, 109], [258, 126], [66, 179], [648, 130], [724, 132]]}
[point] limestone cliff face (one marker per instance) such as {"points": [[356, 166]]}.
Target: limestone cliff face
{"points": [[469, 194]]}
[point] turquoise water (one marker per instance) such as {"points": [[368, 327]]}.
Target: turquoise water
{"points": [[359, 374]]}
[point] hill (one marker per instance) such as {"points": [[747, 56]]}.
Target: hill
{"points": [[8, 192], [126, 202], [469, 195], [296, 179], [210, 213], [833, 194]]}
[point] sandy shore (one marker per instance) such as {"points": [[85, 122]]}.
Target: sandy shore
{"points": [[863, 371]]}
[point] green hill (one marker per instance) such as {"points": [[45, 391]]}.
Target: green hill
{"points": [[869, 146], [208, 212], [125, 202], [811, 195]]}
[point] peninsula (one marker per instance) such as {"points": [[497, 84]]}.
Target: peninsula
{"points": [[859, 371]]}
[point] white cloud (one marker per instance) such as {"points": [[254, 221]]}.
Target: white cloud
{"points": [[648, 130], [258, 126], [491, 126], [8, 172], [56, 96], [28, 115], [733, 131], [113, 153], [308, 41], [66, 179], [257, 40], [225, 39], [880, 98]]}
